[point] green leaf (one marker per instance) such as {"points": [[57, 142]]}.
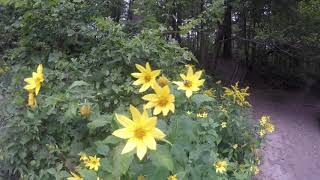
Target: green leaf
{"points": [[87, 174], [99, 122], [102, 148], [162, 157], [200, 98], [78, 83], [121, 162], [112, 140]]}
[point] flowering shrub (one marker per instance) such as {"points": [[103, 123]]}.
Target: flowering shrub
{"points": [[108, 105], [192, 134]]}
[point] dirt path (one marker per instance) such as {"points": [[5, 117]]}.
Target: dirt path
{"points": [[292, 152]]}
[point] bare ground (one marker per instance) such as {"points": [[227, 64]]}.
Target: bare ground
{"points": [[292, 152]]}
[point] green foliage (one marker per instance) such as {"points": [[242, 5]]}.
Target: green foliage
{"points": [[87, 60]]}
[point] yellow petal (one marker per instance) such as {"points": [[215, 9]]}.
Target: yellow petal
{"points": [[188, 93], [138, 82], [131, 144], [123, 133], [141, 150], [149, 105], [140, 68], [144, 87], [150, 142], [165, 111], [150, 97], [183, 76], [124, 121], [151, 123], [136, 75], [197, 75], [171, 107], [157, 110], [136, 115], [40, 69], [148, 68], [155, 73], [158, 134], [190, 72]]}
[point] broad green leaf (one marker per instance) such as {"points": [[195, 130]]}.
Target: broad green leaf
{"points": [[78, 83], [162, 157], [200, 98]]}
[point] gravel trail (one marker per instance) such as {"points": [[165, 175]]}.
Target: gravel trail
{"points": [[292, 152]]}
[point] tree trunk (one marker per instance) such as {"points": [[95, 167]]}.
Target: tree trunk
{"points": [[227, 23]]}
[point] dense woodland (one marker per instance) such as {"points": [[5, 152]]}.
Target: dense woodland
{"points": [[279, 38], [74, 72]]}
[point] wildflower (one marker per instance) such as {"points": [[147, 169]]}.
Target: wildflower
{"points": [[223, 109], [34, 82], [221, 166], [163, 81], [262, 132], [85, 110], [32, 102], [209, 92], [141, 132], [255, 169], [189, 112], [269, 127], [83, 156], [264, 120], [191, 82], [238, 95], [74, 177], [218, 82], [93, 163], [162, 100], [172, 177], [140, 177], [146, 77], [224, 124], [235, 146]]}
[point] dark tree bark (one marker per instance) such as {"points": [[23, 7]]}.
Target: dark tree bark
{"points": [[227, 30]]}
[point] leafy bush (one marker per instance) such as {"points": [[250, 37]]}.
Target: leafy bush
{"points": [[69, 127]]}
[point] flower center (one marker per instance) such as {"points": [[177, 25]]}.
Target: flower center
{"points": [[187, 83], [139, 133], [147, 78], [163, 102]]}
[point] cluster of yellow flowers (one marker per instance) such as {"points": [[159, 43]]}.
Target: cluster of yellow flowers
{"points": [[141, 130], [202, 115], [221, 166], [266, 126], [238, 95], [90, 162], [33, 85]]}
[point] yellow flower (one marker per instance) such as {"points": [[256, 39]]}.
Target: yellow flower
{"points": [[202, 115], [221, 166], [163, 81], [238, 95], [262, 132], [224, 124], [255, 169], [141, 132], [74, 177], [189, 112], [235, 146], [85, 110], [173, 177], [83, 156], [223, 109], [269, 127], [146, 77], [92, 163], [264, 120], [32, 102], [99, 178], [191, 82], [209, 92], [140, 177], [162, 100], [34, 82]]}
